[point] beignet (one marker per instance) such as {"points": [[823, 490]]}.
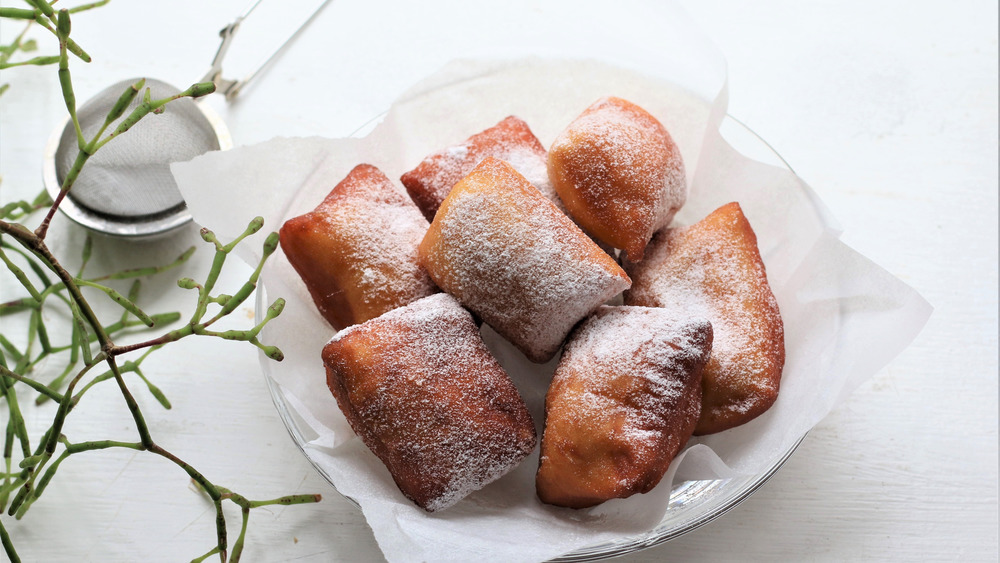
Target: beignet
{"points": [[623, 401], [713, 269], [420, 388], [619, 174], [516, 261], [357, 251], [510, 140]]}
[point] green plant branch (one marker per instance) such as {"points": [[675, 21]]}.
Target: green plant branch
{"points": [[37, 386], [196, 325], [146, 271], [215, 550], [90, 6], [91, 342], [18, 209], [32, 260], [8, 546], [34, 61], [18, 13], [120, 299], [46, 18], [16, 420], [21, 277], [31, 485], [44, 7]]}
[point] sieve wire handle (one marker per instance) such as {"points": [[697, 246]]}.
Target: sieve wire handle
{"points": [[231, 88]]}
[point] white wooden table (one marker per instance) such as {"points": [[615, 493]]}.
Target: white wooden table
{"points": [[888, 110]]}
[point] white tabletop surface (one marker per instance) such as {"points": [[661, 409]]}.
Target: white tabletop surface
{"points": [[887, 109]]}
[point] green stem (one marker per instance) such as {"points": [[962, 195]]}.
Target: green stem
{"points": [[287, 500], [15, 354], [44, 7], [101, 445], [37, 386], [210, 553], [238, 544], [71, 176], [146, 271], [57, 382], [152, 106], [70, 44], [8, 546], [66, 80], [34, 61], [17, 13], [120, 299], [50, 439], [33, 262], [21, 276], [70, 450], [130, 402], [210, 489], [90, 6]]}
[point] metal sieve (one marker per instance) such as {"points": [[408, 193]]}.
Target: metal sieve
{"points": [[126, 188]]}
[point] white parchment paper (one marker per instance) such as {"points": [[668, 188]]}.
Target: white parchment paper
{"points": [[844, 316]]}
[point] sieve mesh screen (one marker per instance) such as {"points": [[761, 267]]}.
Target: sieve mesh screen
{"points": [[129, 178]]}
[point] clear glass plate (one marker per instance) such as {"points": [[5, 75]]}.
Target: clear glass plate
{"points": [[692, 503]]}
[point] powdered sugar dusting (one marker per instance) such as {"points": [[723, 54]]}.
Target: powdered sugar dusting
{"points": [[510, 140], [514, 259], [651, 348], [419, 386], [713, 269], [620, 173], [383, 257], [357, 251], [624, 400]]}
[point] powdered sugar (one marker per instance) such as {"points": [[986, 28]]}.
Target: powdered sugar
{"points": [[357, 251], [510, 140], [384, 237], [713, 269], [654, 347], [624, 400], [424, 393], [513, 258], [619, 172]]}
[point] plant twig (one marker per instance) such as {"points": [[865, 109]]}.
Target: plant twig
{"points": [[31, 465]]}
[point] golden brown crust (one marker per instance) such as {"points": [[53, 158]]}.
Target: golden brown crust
{"points": [[508, 254], [619, 174], [623, 402], [511, 140], [713, 268], [357, 251], [420, 388]]}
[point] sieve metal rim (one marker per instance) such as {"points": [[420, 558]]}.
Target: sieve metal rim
{"points": [[103, 224]]}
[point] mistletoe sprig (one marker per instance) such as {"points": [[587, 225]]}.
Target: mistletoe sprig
{"points": [[91, 353]]}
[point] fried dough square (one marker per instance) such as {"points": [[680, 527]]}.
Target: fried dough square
{"points": [[713, 268], [510, 140], [357, 251], [516, 261], [623, 402], [619, 174], [423, 392]]}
